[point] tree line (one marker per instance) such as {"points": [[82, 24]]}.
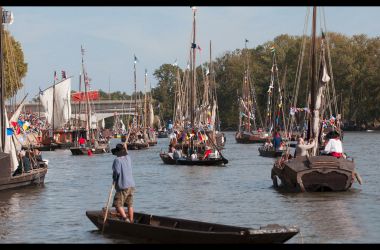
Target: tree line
{"points": [[354, 60], [355, 70]]}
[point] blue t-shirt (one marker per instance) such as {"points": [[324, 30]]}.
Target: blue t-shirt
{"points": [[277, 142], [122, 173]]}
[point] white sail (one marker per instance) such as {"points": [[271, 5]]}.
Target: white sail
{"points": [[9, 146], [151, 115], [62, 102]]}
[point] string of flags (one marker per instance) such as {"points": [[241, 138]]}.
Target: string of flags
{"points": [[294, 110]]}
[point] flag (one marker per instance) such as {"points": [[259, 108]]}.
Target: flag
{"points": [[41, 92], [63, 74], [20, 123], [55, 76], [10, 131], [199, 48], [14, 124], [193, 45], [136, 60], [246, 40]]}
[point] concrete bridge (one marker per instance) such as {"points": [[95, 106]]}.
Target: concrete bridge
{"points": [[103, 108]]}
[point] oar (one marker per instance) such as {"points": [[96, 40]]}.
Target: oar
{"points": [[107, 205], [225, 161]]}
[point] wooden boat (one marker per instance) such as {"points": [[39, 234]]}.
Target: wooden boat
{"points": [[167, 159], [173, 230], [250, 137], [196, 117], [8, 158], [270, 152], [101, 149], [137, 145], [163, 134], [7, 181], [316, 172], [96, 144]]}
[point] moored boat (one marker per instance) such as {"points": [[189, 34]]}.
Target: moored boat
{"points": [[174, 230]]}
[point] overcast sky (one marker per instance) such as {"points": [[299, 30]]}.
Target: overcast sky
{"points": [[51, 37]]}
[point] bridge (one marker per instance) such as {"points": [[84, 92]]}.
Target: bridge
{"points": [[103, 108]]}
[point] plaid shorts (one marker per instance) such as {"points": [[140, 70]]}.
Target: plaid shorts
{"points": [[124, 198]]}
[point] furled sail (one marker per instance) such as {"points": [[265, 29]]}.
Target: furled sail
{"points": [[151, 115], [62, 102], [10, 147]]}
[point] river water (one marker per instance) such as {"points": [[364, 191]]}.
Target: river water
{"points": [[240, 194]]}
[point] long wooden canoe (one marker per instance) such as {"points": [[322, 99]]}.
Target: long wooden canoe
{"points": [[173, 230]]}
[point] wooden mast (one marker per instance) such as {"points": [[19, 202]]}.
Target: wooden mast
{"points": [[55, 76], [88, 122], [145, 110], [310, 133], [2, 85], [134, 67], [192, 86]]}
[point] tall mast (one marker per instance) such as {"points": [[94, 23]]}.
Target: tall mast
{"points": [[80, 100], [2, 86], [55, 76], [85, 79], [134, 67], [192, 87], [145, 111], [310, 133]]}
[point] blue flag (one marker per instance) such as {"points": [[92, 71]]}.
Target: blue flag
{"points": [[10, 131], [20, 123]]}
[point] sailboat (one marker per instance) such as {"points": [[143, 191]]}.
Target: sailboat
{"points": [[8, 155], [94, 144], [56, 101], [275, 116], [316, 172], [194, 134], [249, 131], [136, 138], [149, 133]]}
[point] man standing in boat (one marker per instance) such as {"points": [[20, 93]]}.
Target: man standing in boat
{"points": [[124, 182]]}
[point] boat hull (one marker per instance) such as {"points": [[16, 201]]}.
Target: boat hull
{"points": [[137, 146], [84, 151], [247, 137], [182, 161], [270, 152], [35, 177], [172, 230], [314, 174]]}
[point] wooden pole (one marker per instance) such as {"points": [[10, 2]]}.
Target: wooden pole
{"points": [[107, 205], [2, 86]]}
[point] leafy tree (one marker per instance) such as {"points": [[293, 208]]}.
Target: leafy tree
{"points": [[15, 68]]}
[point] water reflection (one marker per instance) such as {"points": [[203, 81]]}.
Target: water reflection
{"points": [[239, 194]]}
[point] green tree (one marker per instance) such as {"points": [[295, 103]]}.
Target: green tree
{"points": [[15, 68]]}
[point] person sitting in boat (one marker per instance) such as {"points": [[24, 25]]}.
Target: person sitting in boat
{"points": [[334, 145], [207, 153], [177, 154], [277, 140], [302, 148], [82, 142], [268, 144], [23, 164], [37, 154], [124, 182]]}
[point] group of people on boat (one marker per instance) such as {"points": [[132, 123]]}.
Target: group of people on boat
{"points": [[28, 160], [332, 145]]}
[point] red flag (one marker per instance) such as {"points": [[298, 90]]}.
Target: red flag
{"points": [[14, 124]]}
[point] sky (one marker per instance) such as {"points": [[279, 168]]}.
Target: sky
{"points": [[51, 38]]}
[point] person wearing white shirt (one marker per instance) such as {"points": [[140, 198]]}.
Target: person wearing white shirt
{"points": [[334, 146]]}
